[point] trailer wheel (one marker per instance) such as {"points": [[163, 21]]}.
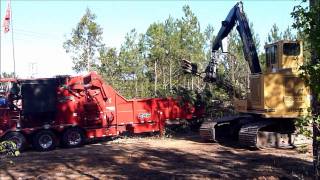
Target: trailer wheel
{"points": [[18, 138], [73, 137], [44, 140]]}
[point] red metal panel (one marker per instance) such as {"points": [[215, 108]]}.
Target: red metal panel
{"points": [[145, 127], [88, 102], [124, 113]]}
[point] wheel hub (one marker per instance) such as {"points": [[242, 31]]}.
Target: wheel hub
{"points": [[17, 141], [45, 141], [74, 138]]}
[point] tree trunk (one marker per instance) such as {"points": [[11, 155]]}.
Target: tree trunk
{"points": [[170, 78], [155, 78], [136, 87], [164, 79], [188, 84], [315, 106], [248, 81], [88, 55], [191, 83], [232, 58], [316, 151], [198, 83], [142, 90]]}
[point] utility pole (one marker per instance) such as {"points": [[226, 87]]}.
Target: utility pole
{"points": [[13, 53], [33, 69]]}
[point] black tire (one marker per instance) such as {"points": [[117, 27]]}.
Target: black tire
{"points": [[44, 140], [73, 137], [18, 138]]}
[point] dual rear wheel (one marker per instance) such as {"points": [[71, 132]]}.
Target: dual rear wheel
{"points": [[72, 137], [46, 140]]}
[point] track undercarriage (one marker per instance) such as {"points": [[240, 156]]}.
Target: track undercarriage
{"points": [[251, 131]]}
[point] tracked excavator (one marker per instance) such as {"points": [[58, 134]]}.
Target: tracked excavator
{"points": [[277, 96]]}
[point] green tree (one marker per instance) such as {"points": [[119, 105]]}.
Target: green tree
{"points": [[154, 43], [166, 44], [109, 65], [131, 63], [208, 37], [287, 34], [192, 43], [8, 75], [234, 68], [84, 43], [307, 22], [274, 34], [171, 61]]}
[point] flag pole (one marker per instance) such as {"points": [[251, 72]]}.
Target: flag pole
{"points": [[12, 39]]}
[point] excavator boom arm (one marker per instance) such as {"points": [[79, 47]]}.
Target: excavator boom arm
{"points": [[237, 17]]}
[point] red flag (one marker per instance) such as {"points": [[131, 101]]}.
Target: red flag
{"points": [[6, 22]]}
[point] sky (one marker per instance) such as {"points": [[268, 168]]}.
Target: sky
{"points": [[41, 27]]}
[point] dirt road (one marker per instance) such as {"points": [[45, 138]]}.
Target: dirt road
{"points": [[184, 157]]}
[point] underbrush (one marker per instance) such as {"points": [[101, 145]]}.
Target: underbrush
{"points": [[8, 149]]}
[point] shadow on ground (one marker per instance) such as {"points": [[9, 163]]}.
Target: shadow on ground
{"points": [[153, 159]]}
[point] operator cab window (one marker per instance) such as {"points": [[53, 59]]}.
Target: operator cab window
{"points": [[268, 56], [291, 49], [271, 55]]}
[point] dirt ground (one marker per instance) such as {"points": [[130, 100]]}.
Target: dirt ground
{"points": [[181, 157]]}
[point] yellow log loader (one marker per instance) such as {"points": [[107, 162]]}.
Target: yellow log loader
{"points": [[277, 96]]}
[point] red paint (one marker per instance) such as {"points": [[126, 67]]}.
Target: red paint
{"points": [[89, 103]]}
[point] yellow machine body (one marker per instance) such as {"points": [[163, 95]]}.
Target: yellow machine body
{"points": [[279, 92]]}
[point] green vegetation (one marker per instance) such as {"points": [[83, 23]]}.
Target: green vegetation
{"points": [[8, 148], [307, 22], [84, 42], [148, 64]]}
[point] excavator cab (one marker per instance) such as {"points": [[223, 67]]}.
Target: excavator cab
{"points": [[279, 91], [284, 56]]}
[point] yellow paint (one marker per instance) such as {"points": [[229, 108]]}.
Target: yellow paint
{"points": [[279, 92]]}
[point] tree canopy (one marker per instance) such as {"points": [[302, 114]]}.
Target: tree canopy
{"points": [[84, 42], [148, 64]]}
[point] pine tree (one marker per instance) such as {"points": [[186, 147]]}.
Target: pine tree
{"points": [[84, 43]]}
